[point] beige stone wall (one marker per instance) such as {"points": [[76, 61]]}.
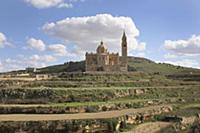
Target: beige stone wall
{"points": [[113, 59], [42, 76], [123, 64], [104, 61]]}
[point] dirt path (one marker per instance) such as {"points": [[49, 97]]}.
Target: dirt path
{"points": [[24, 105], [151, 127], [100, 115]]}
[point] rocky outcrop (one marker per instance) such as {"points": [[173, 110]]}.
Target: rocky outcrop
{"points": [[185, 123]]}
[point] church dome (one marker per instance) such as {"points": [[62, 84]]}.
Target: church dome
{"points": [[101, 49]]}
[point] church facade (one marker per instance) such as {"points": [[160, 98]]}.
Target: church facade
{"points": [[104, 61]]}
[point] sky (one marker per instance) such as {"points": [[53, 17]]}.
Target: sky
{"points": [[39, 33]]}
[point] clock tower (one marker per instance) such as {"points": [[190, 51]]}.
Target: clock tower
{"points": [[124, 45]]}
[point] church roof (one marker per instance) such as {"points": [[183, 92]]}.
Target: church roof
{"points": [[124, 35], [101, 48]]}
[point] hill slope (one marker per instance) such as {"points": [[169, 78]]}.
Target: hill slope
{"points": [[148, 66], [135, 64], [67, 67]]}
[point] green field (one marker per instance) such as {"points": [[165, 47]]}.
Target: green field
{"points": [[135, 64], [147, 84]]}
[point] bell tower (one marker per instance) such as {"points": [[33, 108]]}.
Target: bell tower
{"points": [[124, 45]]}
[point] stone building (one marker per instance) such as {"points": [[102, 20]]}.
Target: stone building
{"points": [[42, 76], [102, 60]]}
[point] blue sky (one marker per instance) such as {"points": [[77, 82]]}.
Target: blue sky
{"points": [[164, 31]]}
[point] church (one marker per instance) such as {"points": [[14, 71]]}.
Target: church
{"points": [[104, 61]]}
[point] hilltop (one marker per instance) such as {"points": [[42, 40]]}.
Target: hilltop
{"points": [[139, 68], [134, 64]]}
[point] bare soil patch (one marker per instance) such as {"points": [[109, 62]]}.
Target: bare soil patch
{"points": [[79, 116]]}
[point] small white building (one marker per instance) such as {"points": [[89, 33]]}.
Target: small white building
{"points": [[42, 76]]}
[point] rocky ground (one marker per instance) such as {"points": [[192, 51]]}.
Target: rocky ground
{"points": [[150, 127]]}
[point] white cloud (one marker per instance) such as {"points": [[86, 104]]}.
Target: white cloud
{"points": [[44, 3], [185, 63], [36, 44], [141, 54], [77, 0], [21, 62], [62, 50], [3, 40], [170, 56], [65, 5], [87, 32], [185, 47], [1, 66], [44, 58], [141, 46], [59, 49], [41, 4], [49, 58]]}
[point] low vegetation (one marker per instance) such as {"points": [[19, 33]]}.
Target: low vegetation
{"points": [[135, 64], [73, 91]]}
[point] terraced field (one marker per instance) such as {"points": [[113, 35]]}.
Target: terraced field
{"points": [[121, 107], [139, 101]]}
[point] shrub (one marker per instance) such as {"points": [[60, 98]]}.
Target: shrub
{"points": [[90, 109], [195, 128]]}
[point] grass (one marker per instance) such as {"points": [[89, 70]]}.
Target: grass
{"points": [[119, 101], [83, 90], [99, 94], [66, 67], [77, 104], [147, 66], [143, 73], [195, 105], [184, 110], [135, 64], [187, 110]]}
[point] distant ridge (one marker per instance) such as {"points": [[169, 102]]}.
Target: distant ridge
{"points": [[134, 64]]}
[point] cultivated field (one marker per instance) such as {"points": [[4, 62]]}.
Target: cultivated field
{"points": [[146, 100]]}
